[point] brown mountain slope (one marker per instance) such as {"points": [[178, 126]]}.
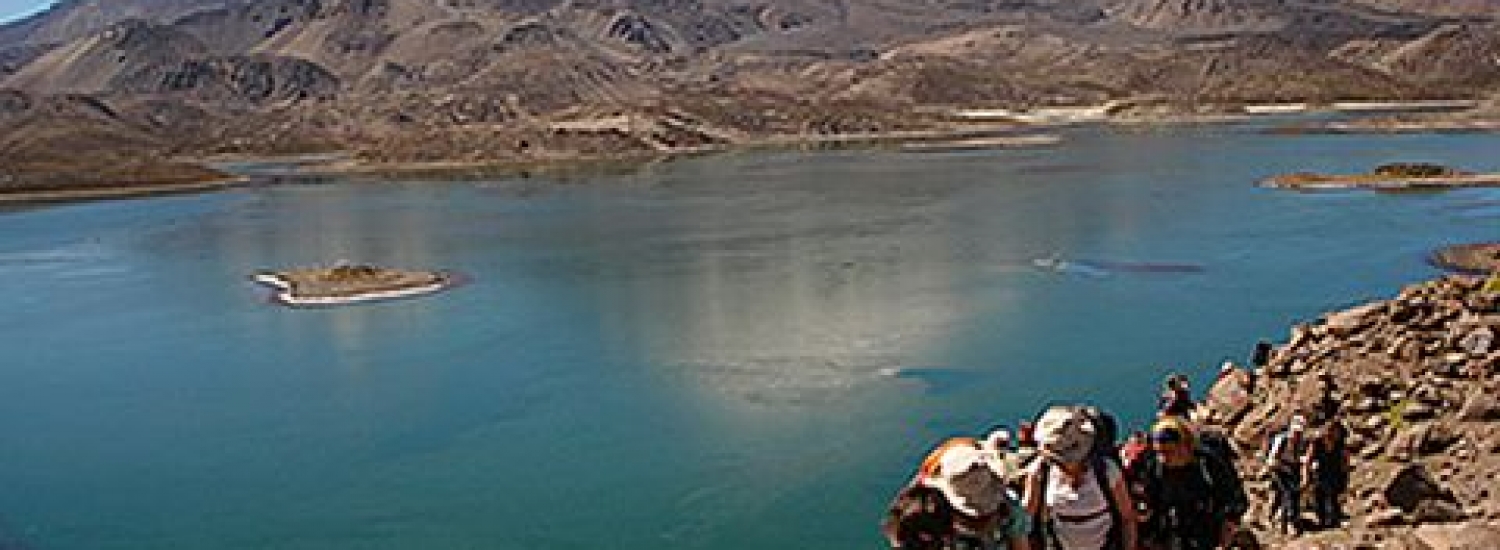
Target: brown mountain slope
{"points": [[69, 20], [1482, 8], [506, 79], [94, 63]]}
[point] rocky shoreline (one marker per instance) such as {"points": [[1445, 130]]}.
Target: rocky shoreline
{"points": [[1416, 379], [1474, 258]]}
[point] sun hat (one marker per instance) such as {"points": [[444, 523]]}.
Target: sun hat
{"points": [[971, 478], [934, 458], [1065, 434], [998, 440]]}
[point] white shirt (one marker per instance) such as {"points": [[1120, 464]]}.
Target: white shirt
{"points": [[1087, 499]]}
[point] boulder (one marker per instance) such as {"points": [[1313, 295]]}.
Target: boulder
{"points": [[1459, 537], [1411, 485], [1480, 406]]}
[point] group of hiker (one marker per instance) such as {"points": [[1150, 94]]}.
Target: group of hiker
{"points": [[1065, 481]]}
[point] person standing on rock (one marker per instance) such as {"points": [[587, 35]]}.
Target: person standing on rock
{"points": [[1328, 401], [1326, 467], [1259, 359], [1176, 398], [1284, 460], [1192, 494]]}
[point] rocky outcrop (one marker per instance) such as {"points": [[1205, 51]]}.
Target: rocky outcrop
{"points": [[251, 79], [1413, 379]]}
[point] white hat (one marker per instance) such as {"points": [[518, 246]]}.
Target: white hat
{"points": [[972, 479], [998, 440], [1065, 434]]}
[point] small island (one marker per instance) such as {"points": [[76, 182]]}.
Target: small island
{"points": [[1395, 176], [1475, 258], [350, 283]]}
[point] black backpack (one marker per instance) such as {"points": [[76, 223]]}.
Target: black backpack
{"points": [[1221, 487], [1106, 432]]}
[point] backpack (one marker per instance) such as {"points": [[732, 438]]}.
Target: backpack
{"points": [[1106, 431], [1042, 534], [1219, 483]]}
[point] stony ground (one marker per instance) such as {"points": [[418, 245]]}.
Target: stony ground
{"points": [[1416, 379]]}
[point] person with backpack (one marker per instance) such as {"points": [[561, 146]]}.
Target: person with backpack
{"points": [[970, 480], [1075, 495], [1284, 462], [920, 519], [1192, 493], [1326, 468]]}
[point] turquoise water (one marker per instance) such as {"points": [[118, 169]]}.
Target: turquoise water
{"points": [[737, 351]]}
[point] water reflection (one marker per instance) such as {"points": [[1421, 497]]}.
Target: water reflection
{"points": [[793, 308]]}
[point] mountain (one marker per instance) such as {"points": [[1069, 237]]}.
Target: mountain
{"points": [[432, 79], [69, 20]]}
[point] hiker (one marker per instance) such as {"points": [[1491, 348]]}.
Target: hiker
{"points": [[1328, 401], [1259, 359], [971, 480], [1194, 499], [1075, 496], [1025, 444], [999, 441], [1284, 461], [1176, 398], [1326, 468], [920, 519]]}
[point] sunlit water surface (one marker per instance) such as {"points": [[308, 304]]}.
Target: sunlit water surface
{"points": [[737, 351]]}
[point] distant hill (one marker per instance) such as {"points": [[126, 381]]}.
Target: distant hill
{"points": [[476, 74]]}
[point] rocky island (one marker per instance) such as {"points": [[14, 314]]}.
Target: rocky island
{"points": [[1474, 258], [1394, 176], [348, 284]]}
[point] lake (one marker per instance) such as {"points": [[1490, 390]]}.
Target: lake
{"points": [[745, 350]]}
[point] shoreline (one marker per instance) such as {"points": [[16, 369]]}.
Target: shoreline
{"points": [[974, 129], [975, 137], [128, 191], [285, 290]]}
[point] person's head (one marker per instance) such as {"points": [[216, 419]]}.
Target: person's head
{"points": [[924, 519], [1172, 441], [1026, 433], [1297, 426], [998, 440], [971, 478], [1065, 435], [1227, 368]]}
